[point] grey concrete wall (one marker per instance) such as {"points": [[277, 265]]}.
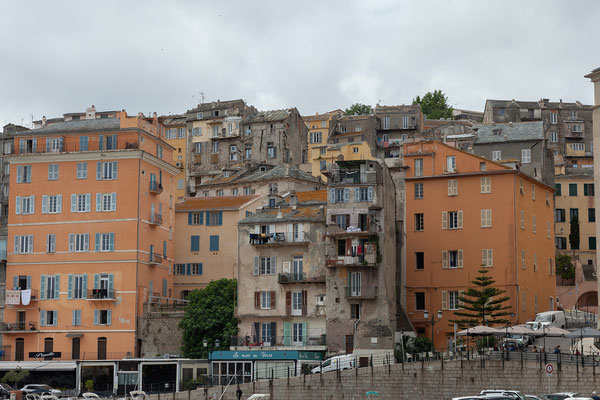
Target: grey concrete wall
{"points": [[415, 381], [160, 334]]}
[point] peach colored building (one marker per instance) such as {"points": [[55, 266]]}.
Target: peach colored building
{"points": [[465, 212], [206, 246], [90, 235]]}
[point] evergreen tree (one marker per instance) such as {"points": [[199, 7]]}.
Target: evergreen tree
{"points": [[358, 109], [482, 304], [434, 105]]}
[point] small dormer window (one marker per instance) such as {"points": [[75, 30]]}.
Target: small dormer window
{"points": [[226, 174], [262, 169], [215, 113], [200, 115], [271, 202]]}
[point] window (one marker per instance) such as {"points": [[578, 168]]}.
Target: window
{"points": [[535, 267], [81, 202], [486, 218], [588, 189], [418, 190], [342, 220], [453, 300], [51, 243], [523, 260], [23, 173], [50, 287], [265, 300], [553, 117], [77, 286], [405, 121], [578, 128], [215, 146], [339, 195], [522, 219], [572, 189], [591, 215], [179, 269], [105, 241], [558, 191], [355, 149], [271, 151], [534, 224], [235, 192], [219, 192], [106, 170], [452, 187], [482, 166], [195, 218], [355, 311], [48, 318], [315, 137], [79, 242], [363, 194], [452, 259], [496, 155], [418, 167], [487, 257], [501, 112], [452, 219], [419, 260], [106, 202], [548, 229], [386, 122], [195, 269], [24, 205], [6, 168], [102, 317], [573, 214], [195, 243], [82, 170], [264, 265], [561, 242], [76, 322], [52, 172], [533, 191], [322, 151], [526, 156], [247, 191], [419, 222], [214, 218], [23, 244], [592, 243], [248, 153], [419, 300], [554, 137], [486, 184], [450, 164], [322, 165], [214, 243]]}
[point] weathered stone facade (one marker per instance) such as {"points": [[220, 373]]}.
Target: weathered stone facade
{"points": [[159, 334]]}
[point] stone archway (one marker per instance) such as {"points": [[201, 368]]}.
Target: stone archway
{"points": [[588, 301]]}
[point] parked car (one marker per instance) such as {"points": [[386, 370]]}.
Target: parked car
{"points": [[5, 390], [515, 394], [40, 389], [565, 395], [485, 397], [517, 339], [551, 318], [335, 363]]}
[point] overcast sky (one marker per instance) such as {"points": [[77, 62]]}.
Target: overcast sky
{"points": [[145, 56]]}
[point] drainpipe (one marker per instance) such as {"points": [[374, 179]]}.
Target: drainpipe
{"points": [[515, 227], [355, 326]]}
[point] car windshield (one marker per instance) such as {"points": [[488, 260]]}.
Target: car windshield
{"points": [[6, 386], [326, 363], [544, 318]]}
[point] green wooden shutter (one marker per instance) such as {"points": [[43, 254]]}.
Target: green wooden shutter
{"points": [[287, 333]]}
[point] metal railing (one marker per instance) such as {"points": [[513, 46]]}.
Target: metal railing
{"points": [[317, 338], [101, 294], [362, 292], [299, 277], [20, 326], [93, 144], [156, 187], [156, 219], [277, 238], [155, 258]]}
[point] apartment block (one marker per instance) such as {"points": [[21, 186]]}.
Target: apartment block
{"points": [[281, 292], [176, 136], [465, 213], [567, 126], [90, 227], [574, 201], [396, 124], [206, 246], [362, 300], [320, 127]]}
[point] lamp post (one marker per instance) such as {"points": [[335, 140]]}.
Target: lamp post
{"points": [[426, 316]]}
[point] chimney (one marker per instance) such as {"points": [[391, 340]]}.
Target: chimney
{"points": [[44, 120], [90, 112], [279, 214], [293, 199]]}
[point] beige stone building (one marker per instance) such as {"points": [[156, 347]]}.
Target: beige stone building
{"points": [[281, 292], [574, 198], [205, 240], [396, 124]]}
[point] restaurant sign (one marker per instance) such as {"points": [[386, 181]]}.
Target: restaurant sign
{"points": [[45, 355]]}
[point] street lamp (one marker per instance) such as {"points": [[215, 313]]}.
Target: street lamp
{"points": [[426, 316]]}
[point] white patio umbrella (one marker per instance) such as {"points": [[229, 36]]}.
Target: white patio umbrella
{"points": [[479, 330]]}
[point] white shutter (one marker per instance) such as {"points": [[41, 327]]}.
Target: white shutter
{"points": [[460, 258], [460, 219], [73, 203], [490, 257], [444, 300], [30, 243], [444, 259], [88, 202], [98, 202], [59, 203], [44, 204], [32, 205], [483, 218], [455, 187], [489, 217], [450, 190], [18, 205], [71, 242], [444, 220], [114, 201]]}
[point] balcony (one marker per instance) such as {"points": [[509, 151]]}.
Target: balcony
{"points": [[155, 219], [290, 278], [101, 294], [315, 341], [367, 260], [336, 231], [155, 187], [11, 302], [2, 255], [93, 145], [278, 239], [155, 259], [19, 327], [361, 292], [569, 134]]}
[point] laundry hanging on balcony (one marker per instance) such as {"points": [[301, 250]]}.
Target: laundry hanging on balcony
{"points": [[12, 297], [25, 296]]}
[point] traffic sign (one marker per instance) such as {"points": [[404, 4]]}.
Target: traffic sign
{"points": [[549, 368]]}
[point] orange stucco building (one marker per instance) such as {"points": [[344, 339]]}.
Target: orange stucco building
{"points": [[90, 228], [465, 212]]}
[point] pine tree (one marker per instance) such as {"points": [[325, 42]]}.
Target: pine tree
{"points": [[482, 305]]}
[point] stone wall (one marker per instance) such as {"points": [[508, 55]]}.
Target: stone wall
{"points": [[160, 334], [418, 381]]}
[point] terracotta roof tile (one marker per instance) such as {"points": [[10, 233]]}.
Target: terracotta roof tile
{"points": [[214, 203], [312, 195]]}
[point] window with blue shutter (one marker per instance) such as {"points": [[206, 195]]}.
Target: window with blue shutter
{"points": [[83, 143], [195, 243], [165, 249], [214, 243]]}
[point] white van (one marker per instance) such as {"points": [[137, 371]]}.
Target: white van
{"points": [[552, 318], [335, 363]]}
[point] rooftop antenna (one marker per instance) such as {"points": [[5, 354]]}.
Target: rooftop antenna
{"points": [[201, 96]]}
